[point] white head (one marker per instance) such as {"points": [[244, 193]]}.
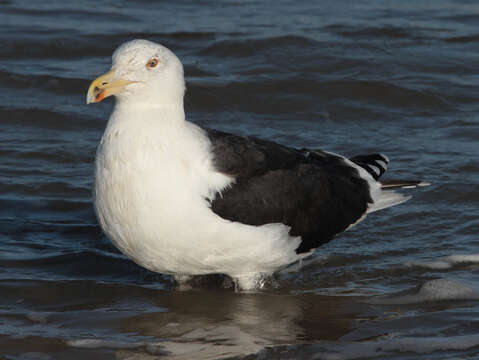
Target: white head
{"points": [[142, 72]]}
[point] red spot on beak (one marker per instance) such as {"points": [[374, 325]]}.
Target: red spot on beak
{"points": [[99, 97]]}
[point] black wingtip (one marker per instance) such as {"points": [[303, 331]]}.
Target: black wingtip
{"points": [[374, 164], [403, 184]]}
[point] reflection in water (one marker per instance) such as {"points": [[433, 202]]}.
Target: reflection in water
{"points": [[241, 323], [129, 320], [141, 323], [136, 322]]}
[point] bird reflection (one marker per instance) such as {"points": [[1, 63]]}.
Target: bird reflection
{"points": [[210, 324]]}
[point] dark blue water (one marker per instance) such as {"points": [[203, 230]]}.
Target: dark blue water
{"points": [[350, 77]]}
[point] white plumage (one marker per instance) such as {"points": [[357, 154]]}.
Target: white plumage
{"points": [[155, 178], [150, 183]]}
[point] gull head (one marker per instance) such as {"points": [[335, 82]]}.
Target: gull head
{"points": [[142, 72]]}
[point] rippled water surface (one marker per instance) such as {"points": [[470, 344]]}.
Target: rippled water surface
{"points": [[351, 77]]}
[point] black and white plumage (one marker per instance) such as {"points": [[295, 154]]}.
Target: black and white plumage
{"points": [[184, 200], [317, 193]]}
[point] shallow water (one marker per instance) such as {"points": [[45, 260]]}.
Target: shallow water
{"points": [[395, 77]]}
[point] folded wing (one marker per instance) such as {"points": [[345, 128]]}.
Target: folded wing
{"points": [[317, 194]]}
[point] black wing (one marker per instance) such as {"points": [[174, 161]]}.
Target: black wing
{"points": [[317, 194]]}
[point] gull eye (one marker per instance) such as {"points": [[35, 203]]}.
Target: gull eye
{"points": [[152, 63]]}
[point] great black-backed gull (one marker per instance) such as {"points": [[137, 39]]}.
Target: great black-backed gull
{"points": [[183, 200]]}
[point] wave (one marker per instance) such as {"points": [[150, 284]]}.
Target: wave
{"points": [[459, 192], [46, 119], [447, 262], [385, 346], [250, 47], [95, 45], [377, 33], [432, 290], [45, 188], [72, 13], [60, 47], [70, 263], [48, 208], [297, 93], [42, 155], [178, 36], [55, 84], [463, 39]]}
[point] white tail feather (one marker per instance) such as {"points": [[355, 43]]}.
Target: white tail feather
{"points": [[388, 198]]}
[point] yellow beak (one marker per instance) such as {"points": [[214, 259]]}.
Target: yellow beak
{"points": [[105, 86]]}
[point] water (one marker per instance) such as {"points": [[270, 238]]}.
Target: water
{"points": [[389, 76]]}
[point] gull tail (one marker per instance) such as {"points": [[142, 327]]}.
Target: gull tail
{"points": [[387, 199], [376, 165]]}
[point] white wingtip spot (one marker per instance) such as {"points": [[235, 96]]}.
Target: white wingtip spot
{"points": [[383, 164], [376, 170], [385, 158]]}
